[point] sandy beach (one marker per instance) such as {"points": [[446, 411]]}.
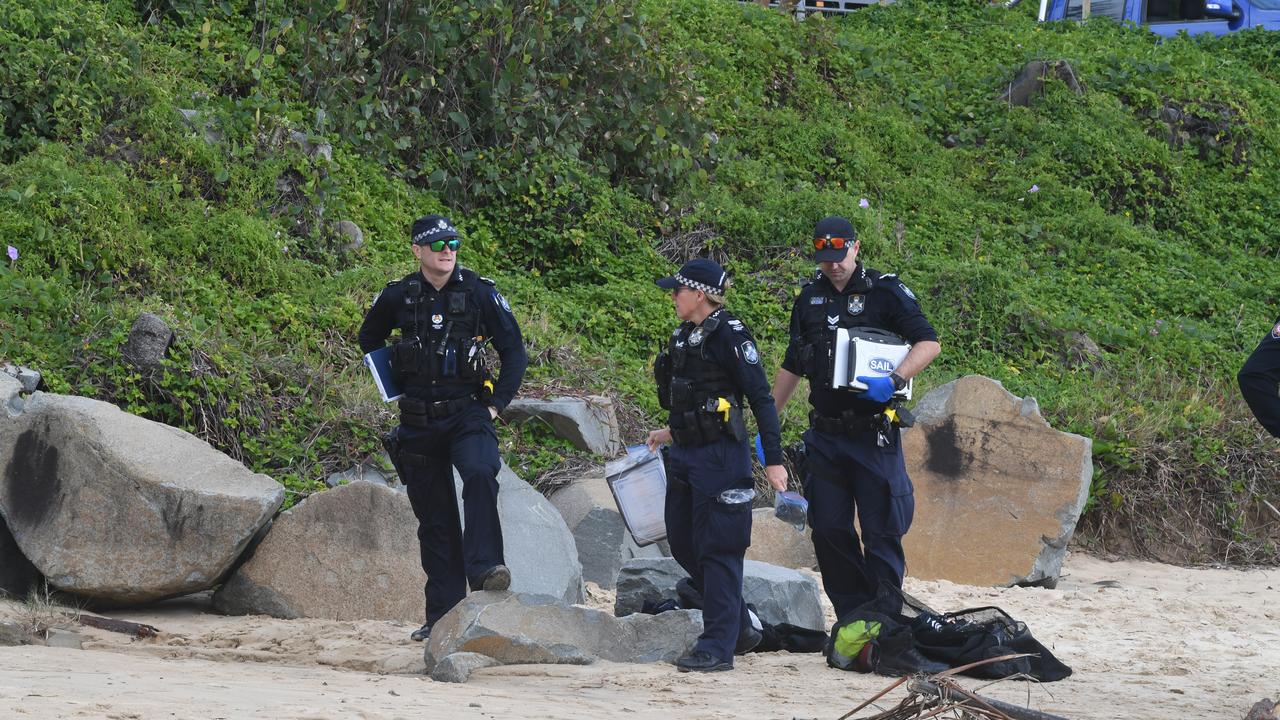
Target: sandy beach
{"points": [[1145, 641]]}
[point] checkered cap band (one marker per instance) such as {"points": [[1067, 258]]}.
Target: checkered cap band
{"points": [[709, 289]]}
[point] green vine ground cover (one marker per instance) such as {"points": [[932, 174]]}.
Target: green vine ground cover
{"points": [[586, 147]]}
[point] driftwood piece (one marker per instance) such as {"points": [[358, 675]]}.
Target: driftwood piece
{"points": [[925, 686], [137, 630], [930, 696]]}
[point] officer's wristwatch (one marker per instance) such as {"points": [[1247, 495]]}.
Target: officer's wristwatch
{"points": [[898, 381]]}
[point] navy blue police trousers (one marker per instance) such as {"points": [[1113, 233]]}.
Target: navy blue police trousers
{"points": [[450, 556], [709, 538], [845, 475]]}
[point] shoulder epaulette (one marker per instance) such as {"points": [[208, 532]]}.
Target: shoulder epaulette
{"points": [[393, 283], [484, 279]]}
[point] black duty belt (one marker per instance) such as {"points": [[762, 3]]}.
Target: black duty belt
{"points": [[415, 412], [847, 424]]}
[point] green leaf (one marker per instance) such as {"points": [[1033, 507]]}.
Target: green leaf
{"points": [[460, 120]]}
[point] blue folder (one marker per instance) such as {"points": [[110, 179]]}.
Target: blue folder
{"points": [[379, 364]]}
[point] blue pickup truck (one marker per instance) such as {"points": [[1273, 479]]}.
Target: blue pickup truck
{"points": [[1162, 17], [1169, 17]]}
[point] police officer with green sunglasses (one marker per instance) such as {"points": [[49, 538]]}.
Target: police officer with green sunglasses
{"points": [[447, 317]]}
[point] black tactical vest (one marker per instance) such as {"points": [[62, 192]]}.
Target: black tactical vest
{"points": [[693, 378], [818, 323], [441, 350]]}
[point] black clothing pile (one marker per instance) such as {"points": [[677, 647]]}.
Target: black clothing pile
{"points": [[896, 634]]}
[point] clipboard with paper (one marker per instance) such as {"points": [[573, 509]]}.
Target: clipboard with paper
{"points": [[638, 482], [866, 351]]}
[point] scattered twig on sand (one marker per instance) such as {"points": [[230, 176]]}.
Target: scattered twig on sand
{"points": [[931, 696], [138, 630]]}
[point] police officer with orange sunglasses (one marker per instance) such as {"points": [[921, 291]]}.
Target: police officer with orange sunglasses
{"points": [[854, 458]]}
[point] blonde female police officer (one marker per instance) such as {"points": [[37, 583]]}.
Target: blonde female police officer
{"points": [[711, 363], [446, 315]]}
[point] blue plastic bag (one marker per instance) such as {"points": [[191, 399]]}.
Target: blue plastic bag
{"points": [[791, 508]]}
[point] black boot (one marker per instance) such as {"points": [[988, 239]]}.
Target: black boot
{"points": [[421, 633], [702, 661], [748, 639], [495, 579]]}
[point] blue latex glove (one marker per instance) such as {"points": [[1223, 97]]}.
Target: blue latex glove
{"points": [[759, 449], [879, 389]]}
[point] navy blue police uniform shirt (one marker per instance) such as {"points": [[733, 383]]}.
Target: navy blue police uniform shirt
{"points": [[1260, 381], [733, 348], [495, 317], [888, 305]]}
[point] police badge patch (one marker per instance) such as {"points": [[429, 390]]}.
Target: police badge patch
{"points": [[749, 353], [497, 297], [907, 290], [437, 319], [857, 303], [695, 337], [1275, 331]]}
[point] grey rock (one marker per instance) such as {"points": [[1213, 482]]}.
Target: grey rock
{"points": [[60, 638], [1081, 350], [354, 236], [313, 150], [457, 667], [10, 395], [344, 554], [997, 490], [778, 543], [148, 342], [589, 423], [29, 378], [12, 633], [536, 544], [780, 595], [195, 120], [515, 628], [645, 579], [364, 472], [599, 533], [115, 507]]}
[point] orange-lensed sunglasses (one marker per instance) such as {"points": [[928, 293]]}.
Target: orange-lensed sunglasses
{"points": [[837, 243]]}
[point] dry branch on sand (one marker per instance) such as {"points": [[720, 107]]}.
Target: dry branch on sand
{"points": [[934, 695]]}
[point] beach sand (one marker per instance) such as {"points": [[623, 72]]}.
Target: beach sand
{"points": [[1145, 641]]}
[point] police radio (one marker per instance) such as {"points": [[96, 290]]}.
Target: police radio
{"points": [[866, 351]]}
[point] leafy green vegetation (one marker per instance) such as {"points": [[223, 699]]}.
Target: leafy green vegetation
{"points": [[165, 157]]}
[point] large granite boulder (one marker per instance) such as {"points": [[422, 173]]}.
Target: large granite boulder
{"points": [[778, 543], [998, 492], [344, 554], [779, 595], [515, 628], [536, 543], [599, 533], [114, 507], [589, 423]]}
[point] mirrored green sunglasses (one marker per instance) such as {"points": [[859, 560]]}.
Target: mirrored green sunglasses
{"points": [[440, 245]]}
